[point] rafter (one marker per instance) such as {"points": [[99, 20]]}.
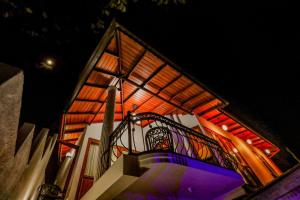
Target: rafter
{"points": [[241, 132], [159, 97], [210, 109], [95, 85], [139, 59], [222, 121], [72, 131], [215, 116], [203, 103], [80, 113], [192, 97], [74, 146], [111, 53], [170, 83], [146, 81], [99, 70], [235, 128], [89, 101]]}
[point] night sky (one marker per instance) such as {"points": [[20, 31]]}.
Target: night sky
{"points": [[248, 53]]}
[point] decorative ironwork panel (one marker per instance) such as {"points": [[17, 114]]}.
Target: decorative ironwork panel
{"points": [[148, 132]]}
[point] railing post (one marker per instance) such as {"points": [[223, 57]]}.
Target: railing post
{"points": [[129, 133]]}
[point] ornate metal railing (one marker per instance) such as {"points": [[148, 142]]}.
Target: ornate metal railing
{"points": [[150, 132], [50, 191]]}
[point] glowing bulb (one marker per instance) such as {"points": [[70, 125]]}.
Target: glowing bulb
{"points": [[235, 150], [224, 127], [249, 141], [69, 154], [267, 151], [134, 118], [49, 61]]}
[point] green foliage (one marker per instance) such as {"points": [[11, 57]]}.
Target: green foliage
{"points": [[122, 5]]}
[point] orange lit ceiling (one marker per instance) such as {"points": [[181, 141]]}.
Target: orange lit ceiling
{"points": [[240, 130], [146, 81]]}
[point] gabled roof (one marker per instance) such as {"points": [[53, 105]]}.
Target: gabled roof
{"points": [[147, 81]]}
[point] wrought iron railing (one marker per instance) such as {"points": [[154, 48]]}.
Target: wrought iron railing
{"points": [[150, 132], [50, 191]]}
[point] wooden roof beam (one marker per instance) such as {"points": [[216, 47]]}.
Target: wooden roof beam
{"points": [[74, 130], [99, 70], [95, 85], [146, 81], [242, 132], [139, 59], [89, 101], [111, 53], [222, 121], [170, 83], [70, 140], [156, 95], [81, 123], [235, 128], [192, 97], [215, 116], [73, 146], [181, 90], [80, 113], [210, 109], [203, 103]]}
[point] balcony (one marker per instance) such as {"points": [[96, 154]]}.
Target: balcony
{"points": [[152, 155]]}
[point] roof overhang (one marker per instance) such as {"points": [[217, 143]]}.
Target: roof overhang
{"points": [[146, 81]]}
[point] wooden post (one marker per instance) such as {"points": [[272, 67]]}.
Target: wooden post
{"points": [[129, 133]]}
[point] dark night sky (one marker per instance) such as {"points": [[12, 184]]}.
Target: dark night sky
{"points": [[248, 53]]}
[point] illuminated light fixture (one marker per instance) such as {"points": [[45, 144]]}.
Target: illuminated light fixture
{"points": [[249, 141], [70, 154], [235, 150], [224, 127], [267, 151], [134, 118]]}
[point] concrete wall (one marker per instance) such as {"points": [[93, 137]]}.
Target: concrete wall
{"points": [[34, 173]]}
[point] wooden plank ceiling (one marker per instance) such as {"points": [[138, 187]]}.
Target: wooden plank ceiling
{"points": [[220, 118], [146, 82]]}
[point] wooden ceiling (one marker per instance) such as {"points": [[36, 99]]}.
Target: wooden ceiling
{"points": [[146, 81], [240, 130]]}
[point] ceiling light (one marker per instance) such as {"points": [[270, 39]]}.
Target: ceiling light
{"points": [[249, 141], [235, 150], [267, 151], [224, 127]]}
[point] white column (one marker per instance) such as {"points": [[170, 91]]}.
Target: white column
{"points": [[107, 129]]}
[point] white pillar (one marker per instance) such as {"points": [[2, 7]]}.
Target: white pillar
{"points": [[107, 129]]}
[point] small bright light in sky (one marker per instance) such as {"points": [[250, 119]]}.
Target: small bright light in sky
{"points": [[49, 61], [224, 127], [267, 151], [235, 150], [249, 141]]}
